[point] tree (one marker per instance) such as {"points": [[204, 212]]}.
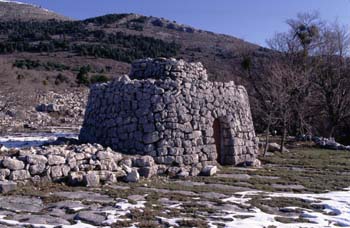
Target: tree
{"points": [[331, 80], [82, 76], [319, 52], [275, 92]]}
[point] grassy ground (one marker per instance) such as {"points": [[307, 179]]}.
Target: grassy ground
{"points": [[199, 198]]}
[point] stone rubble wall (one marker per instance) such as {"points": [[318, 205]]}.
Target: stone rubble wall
{"points": [[170, 116], [84, 164], [161, 68]]}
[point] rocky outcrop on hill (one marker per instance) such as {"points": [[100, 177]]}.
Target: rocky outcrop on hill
{"points": [[53, 109], [14, 10]]}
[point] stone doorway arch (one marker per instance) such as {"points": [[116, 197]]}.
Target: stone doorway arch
{"points": [[224, 141], [218, 140]]}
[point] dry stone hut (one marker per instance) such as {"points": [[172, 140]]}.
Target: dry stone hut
{"points": [[168, 109]]}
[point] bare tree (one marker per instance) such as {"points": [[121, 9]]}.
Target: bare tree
{"points": [[332, 76], [275, 90]]}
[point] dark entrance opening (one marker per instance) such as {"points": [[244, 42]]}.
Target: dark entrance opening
{"points": [[217, 138]]}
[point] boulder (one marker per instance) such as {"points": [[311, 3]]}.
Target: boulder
{"points": [[143, 161], [36, 159], [12, 164], [209, 170], [273, 147]]}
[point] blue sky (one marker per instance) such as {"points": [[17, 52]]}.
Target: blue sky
{"points": [[251, 20]]}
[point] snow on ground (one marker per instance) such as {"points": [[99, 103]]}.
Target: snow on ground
{"points": [[32, 139], [123, 207], [336, 212]]}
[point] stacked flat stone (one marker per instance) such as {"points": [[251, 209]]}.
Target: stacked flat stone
{"points": [[84, 164], [167, 111]]}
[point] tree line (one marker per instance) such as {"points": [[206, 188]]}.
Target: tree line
{"points": [[302, 86], [73, 36]]}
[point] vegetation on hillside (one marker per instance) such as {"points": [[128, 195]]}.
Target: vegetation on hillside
{"points": [[57, 36]]}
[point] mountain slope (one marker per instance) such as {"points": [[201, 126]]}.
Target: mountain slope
{"points": [[48, 55], [12, 10]]}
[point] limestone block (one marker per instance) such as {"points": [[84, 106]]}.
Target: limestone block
{"points": [[12, 164]]}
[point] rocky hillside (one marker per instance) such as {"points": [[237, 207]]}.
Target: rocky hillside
{"points": [[37, 56], [13, 10]]}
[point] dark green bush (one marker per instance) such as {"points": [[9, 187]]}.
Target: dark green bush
{"points": [[60, 78], [98, 79], [82, 76]]}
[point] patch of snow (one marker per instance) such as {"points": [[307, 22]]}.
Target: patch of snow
{"points": [[75, 209], [79, 224], [173, 222], [123, 207], [32, 140], [336, 212]]}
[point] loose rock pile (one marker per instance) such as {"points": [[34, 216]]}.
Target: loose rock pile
{"points": [[86, 164], [329, 143], [52, 109]]}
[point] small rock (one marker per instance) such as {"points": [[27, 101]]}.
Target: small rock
{"points": [[173, 171], [133, 176], [76, 178], [126, 161], [256, 163], [56, 160], [91, 179], [4, 173], [19, 175], [7, 186], [90, 217], [209, 170], [103, 155], [148, 172], [56, 172], [37, 169], [108, 176], [183, 174]]}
